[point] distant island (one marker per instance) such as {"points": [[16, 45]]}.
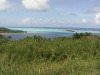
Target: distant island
{"points": [[70, 31], [5, 30]]}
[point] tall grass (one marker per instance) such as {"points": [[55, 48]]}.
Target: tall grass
{"points": [[59, 56]]}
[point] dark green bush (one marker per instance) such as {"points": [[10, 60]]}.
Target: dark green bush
{"points": [[80, 35]]}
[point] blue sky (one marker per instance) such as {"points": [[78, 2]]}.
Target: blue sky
{"points": [[50, 13]]}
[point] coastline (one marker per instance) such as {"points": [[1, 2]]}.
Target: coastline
{"points": [[11, 33], [18, 33]]}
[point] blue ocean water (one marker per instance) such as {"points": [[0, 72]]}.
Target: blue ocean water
{"points": [[50, 32]]}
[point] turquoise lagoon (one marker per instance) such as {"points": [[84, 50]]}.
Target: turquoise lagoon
{"points": [[50, 32]]}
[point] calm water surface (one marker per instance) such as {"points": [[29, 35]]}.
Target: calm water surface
{"points": [[50, 32]]}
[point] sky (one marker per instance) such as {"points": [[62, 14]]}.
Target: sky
{"points": [[50, 13]]}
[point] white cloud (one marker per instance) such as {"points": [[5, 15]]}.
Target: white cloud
{"points": [[84, 21], [53, 21], [26, 20], [4, 5], [96, 9], [97, 18], [43, 21], [38, 5], [32, 21]]}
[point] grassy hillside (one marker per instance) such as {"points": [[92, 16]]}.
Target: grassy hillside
{"points": [[5, 30], [59, 56]]}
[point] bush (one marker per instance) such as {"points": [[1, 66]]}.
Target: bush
{"points": [[40, 56], [80, 35]]}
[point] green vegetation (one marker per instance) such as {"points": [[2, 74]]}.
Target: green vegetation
{"points": [[60, 56], [4, 39], [5, 30], [83, 35]]}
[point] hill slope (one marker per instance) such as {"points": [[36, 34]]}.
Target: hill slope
{"points": [[5, 30]]}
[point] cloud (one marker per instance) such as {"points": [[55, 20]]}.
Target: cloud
{"points": [[43, 21], [4, 5], [53, 21], [93, 10], [74, 14], [26, 20], [38, 5], [84, 21], [31, 21], [97, 18]]}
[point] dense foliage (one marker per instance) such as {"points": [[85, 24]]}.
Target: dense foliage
{"points": [[5, 30], [4, 39], [78, 36], [60, 56]]}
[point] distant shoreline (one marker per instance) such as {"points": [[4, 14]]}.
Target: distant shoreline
{"points": [[17, 33], [11, 33]]}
